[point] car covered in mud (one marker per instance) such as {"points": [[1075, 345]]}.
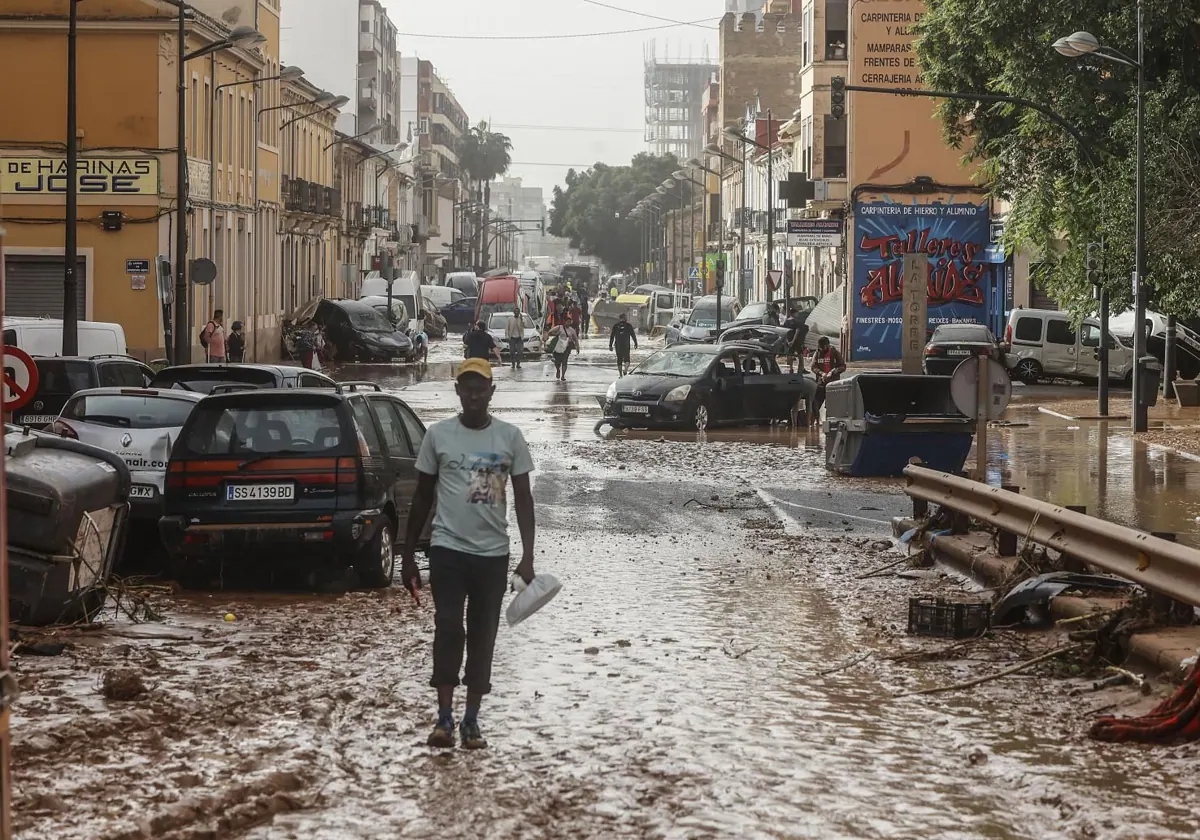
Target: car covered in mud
{"points": [[700, 327], [308, 476], [203, 378], [704, 386], [138, 425]]}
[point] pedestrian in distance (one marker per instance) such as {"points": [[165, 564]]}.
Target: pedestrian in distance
{"points": [[620, 337], [236, 345], [514, 331], [479, 344], [212, 339], [561, 340], [772, 316], [828, 365], [584, 305], [469, 547]]}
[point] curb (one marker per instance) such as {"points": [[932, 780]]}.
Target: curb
{"points": [[1163, 649]]}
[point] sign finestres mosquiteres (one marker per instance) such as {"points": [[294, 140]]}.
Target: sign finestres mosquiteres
{"points": [[97, 176], [952, 236]]}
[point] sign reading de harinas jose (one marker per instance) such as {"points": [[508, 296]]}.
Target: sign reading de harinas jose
{"points": [[952, 236], [814, 233], [97, 176]]}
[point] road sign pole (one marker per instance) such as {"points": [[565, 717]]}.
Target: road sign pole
{"points": [[981, 417]]}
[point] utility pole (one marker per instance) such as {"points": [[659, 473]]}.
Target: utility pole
{"points": [[70, 318]]}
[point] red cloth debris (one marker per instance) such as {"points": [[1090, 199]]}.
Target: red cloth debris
{"points": [[1175, 719]]}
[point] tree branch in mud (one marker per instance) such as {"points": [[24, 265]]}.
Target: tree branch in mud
{"points": [[981, 680]]}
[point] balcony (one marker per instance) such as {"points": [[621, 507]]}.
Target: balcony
{"points": [[300, 196]]}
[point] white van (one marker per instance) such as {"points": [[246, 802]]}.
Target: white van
{"points": [[442, 295], [1042, 344], [406, 286], [44, 337]]}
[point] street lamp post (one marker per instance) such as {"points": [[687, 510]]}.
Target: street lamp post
{"points": [[240, 36], [769, 149], [716, 150], [70, 330], [1084, 43]]}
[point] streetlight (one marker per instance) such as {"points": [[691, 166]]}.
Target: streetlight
{"points": [[1084, 43], [70, 332], [748, 141], [241, 36], [684, 175]]}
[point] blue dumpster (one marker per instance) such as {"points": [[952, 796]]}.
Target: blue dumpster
{"points": [[876, 422]]}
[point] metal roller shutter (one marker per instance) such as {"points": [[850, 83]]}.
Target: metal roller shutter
{"points": [[33, 286]]}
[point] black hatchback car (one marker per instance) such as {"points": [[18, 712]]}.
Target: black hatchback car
{"points": [[360, 333], [700, 386], [60, 377], [951, 343], [205, 377], [316, 476]]}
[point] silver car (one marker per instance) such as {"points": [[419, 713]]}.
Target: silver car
{"points": [[533, 339], [138, 424]]}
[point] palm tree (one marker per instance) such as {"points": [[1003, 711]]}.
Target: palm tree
{"points": [[485, 155]]}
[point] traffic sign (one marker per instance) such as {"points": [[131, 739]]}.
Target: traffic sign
{"points": [[694, 273], [965, 390], [775, 277], [20, 378]]}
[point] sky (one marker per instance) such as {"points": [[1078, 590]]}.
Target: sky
{"points": [[570, 83]]}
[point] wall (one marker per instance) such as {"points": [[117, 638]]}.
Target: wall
{"points": [[759, 65]]}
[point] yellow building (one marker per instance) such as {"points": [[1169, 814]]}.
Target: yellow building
{"points": [[127, 94]]}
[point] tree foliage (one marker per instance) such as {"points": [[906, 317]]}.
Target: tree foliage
{"points": [[484, 156], [1059, 200], [592, 212]]}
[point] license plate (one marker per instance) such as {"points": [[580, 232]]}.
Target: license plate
{"points": [[958, 352], [260, 492], [142, 491], [636, 409], [37, 419]]}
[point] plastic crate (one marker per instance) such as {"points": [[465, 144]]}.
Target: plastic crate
{"points": [[948, 619]]}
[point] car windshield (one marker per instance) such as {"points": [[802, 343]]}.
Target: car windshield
{"points": [[500, 321], [753, 310], [677, 363], [128, 411], [367, 319], [281, 429], [203, 381], [963, 332], [705, 314]]}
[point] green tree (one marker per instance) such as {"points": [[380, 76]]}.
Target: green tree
{"points": [[593, 210], [484, 156], [1059, 200]]}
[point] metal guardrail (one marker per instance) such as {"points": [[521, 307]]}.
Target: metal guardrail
{"points": [[1159, 565]]}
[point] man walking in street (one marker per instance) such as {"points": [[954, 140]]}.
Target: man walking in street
{"points": [[212, 339], [622, 333], [514, 331], [585, 316], [236, 345], [479, 344], [828, 365], [466, 462]]}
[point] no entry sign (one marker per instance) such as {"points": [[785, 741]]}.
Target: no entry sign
{"points": [[20, 378]]}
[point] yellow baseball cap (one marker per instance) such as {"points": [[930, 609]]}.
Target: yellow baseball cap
{"points": [[479, 366]]}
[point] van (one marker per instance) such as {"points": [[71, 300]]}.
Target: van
{"points": [[44, 337], [406, 287], [465, 281], [500, 294], [442, 295], [1042, 344], [535, 293]]}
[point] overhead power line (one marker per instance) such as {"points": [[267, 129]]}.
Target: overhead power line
{"points": [[448, 37], [642, 14], [581, 128]]}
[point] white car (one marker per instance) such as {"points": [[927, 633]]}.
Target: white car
{"points": [[533, 339], [138, 424]]}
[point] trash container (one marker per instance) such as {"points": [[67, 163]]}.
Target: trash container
{"points": [[1151, 380], [876, 422]]}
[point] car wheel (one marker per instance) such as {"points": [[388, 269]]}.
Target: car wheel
{"points": [[376, 562], [700, 417], [1028, 371]]}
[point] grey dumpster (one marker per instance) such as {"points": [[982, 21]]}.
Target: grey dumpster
{"points": [[1151, 380], [876, 422]]}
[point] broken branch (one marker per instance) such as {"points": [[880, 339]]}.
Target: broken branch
{"points": [[981, 680]]}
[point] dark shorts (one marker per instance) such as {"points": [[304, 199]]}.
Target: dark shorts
{"points": [[478, 582]]}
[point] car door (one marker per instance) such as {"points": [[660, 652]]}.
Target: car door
{"points": [[402, 457], [378, 474], [1060, 351], [729, 404], [1089, 351], [771, 394]]}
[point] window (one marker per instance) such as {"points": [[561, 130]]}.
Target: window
{"points": [[416, 432], [365, 25], [806, 49], [394, 436], [115, 375], [129, 412], [309, 380], [10, 338], [362, 415], [284, 429], [1059, 331], [424, 125], [1028, 329], [1090, 335]]}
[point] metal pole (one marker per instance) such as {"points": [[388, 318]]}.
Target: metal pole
{"points": [[742, 246], [692, 235], [1140, 409], [183, 345], [1169, 360], [70, 318], [1104, 339], [770, 203]]}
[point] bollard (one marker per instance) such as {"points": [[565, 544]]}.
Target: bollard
{"points": [[1070, 563], [1167, 610], [1006, 541]]}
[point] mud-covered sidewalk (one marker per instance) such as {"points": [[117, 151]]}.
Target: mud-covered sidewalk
{"points": [[714, 668]]}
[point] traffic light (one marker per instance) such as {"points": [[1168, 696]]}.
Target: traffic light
{"points": [[1091, 262], [837, 97]]}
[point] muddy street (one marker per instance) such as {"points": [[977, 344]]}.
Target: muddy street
{"points": [[713, 668]]}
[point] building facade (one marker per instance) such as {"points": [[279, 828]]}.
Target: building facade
{"points": [[674, 92]]}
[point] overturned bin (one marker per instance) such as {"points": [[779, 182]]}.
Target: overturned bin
{"points": [[876, 422], [68, 507]]}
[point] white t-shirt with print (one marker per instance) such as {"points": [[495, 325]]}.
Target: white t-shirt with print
{"points": [[473, 467]]}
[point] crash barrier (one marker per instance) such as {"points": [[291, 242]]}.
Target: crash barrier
{"points": [[1159, 565], [876, 423]]}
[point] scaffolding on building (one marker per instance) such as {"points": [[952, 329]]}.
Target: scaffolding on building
{"points": [[674, 101]]}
